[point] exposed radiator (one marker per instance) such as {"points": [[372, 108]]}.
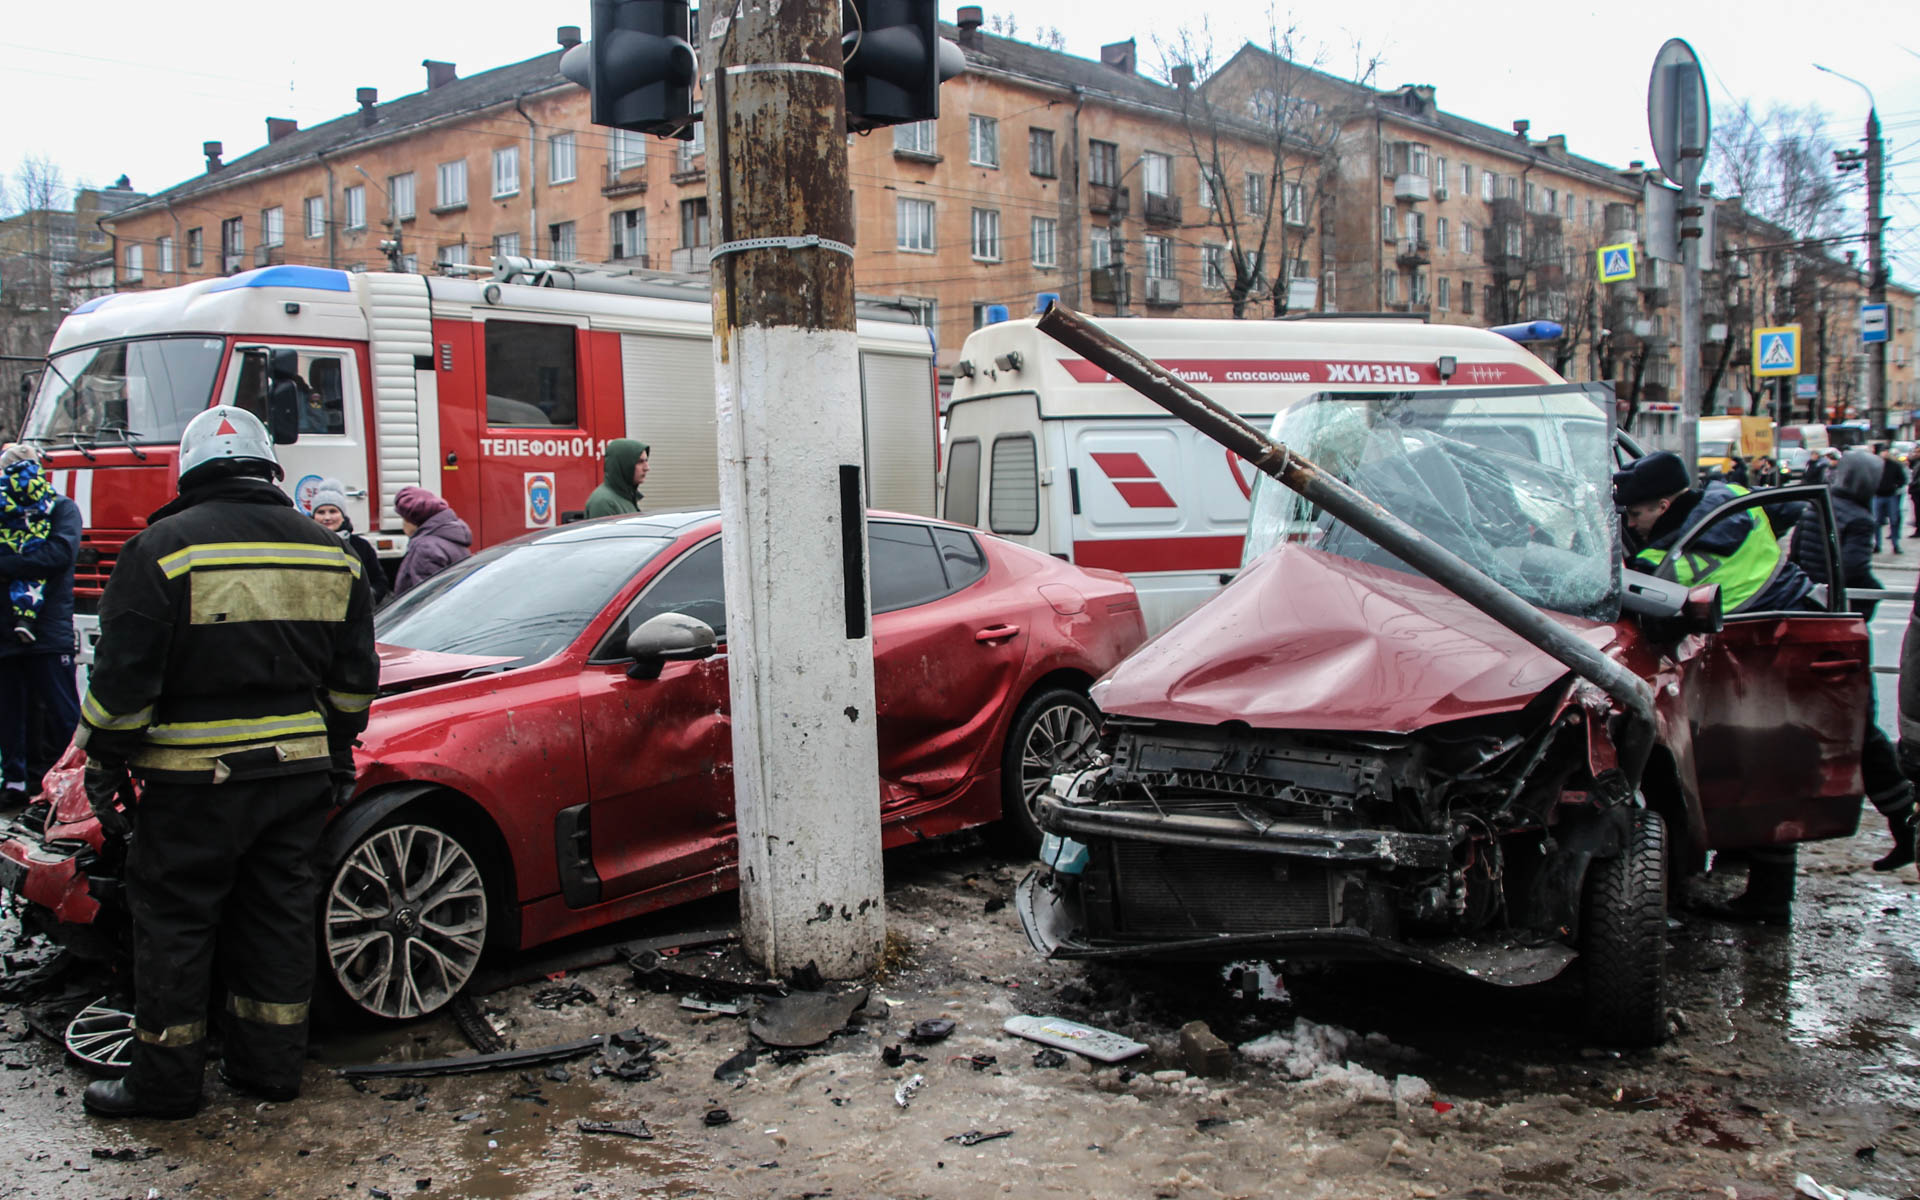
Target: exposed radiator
{"points": [[1176, 890]]}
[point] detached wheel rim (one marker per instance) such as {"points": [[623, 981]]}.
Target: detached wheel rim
{"points": [[1061, 739], [406, 920], [101, 1036]]}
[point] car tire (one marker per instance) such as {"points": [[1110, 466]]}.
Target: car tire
{"points": [[1056, 729], [1624, 939], [403, 919]]}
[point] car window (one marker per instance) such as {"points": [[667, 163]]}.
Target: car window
{"points": [[963, 482], [904, 565], [694, 586], [962, 556]]}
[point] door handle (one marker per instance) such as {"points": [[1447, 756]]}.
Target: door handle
{"points": [[356, 493], [1837, 665], [996, 633]]}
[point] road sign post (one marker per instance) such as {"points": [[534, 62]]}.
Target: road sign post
{"points": [[1875, 320], [1616, 263], [1680, 123], [1776, 350]]}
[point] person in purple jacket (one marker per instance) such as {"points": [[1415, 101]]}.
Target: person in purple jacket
{"points": [[437, 537]]}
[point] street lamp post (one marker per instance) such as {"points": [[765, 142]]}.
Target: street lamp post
{"points": [[1876, 260]]}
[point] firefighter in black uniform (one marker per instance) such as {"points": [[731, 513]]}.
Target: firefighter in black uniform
{"points": [[235, 668]]}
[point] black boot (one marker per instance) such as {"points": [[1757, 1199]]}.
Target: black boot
{"points": [[279, 1093], [1768, 899], [1903, 825], [112, 1098]]}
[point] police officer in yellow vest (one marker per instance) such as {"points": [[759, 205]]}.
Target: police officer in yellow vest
{"points": [[1659, 506], [235, 667]]}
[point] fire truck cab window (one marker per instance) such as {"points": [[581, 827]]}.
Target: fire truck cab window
{"points": [[530, 375], [323, 401]]}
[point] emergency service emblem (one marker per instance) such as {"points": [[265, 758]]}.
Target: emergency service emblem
{"points": [[540, 506]]}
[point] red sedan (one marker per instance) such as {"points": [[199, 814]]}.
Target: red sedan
{"points": [[524, 777]]}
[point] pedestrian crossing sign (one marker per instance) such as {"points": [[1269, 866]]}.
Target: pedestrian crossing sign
{"points": [[1776, 351], [1616, 263]]}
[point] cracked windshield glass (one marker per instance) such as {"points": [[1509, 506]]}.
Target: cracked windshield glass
{"points": [[1516, 483], [143, 391]]}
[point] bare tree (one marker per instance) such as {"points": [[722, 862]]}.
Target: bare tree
{"points": [[37, 184], [1263, 129], [1780, 164]]}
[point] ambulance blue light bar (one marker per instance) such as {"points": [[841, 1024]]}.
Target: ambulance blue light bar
{"points": [[1531, 331]]}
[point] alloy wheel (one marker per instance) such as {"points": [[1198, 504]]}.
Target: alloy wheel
{"points": [[406, 920], [1061, 739], [101, 1036]]}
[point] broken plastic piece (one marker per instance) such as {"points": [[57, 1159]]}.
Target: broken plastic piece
{"points": [[894, 1056], [634, 1129], [931, 1030], [1049, 1057], [695, 1002], [737, 1064], [903, 1095], [478, 1062], [806, 1018], [973, 1137], [718, 1116], [1072, 1035], [554, 999]]}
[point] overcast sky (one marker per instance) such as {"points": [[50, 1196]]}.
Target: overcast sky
{"points": [[135, 87]]}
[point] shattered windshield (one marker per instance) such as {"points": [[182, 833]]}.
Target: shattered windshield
{"points": [[141, 391], [1517, 483]]}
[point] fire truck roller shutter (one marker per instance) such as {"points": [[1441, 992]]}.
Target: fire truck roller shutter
{"points": [[669, 405], [400, 329], [896, 390]]}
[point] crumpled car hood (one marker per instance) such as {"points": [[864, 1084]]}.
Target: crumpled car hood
{"points": [[404, 669], [1307, 640]]}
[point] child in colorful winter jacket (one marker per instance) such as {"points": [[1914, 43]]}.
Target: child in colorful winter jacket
{"points": [[26, 505]]}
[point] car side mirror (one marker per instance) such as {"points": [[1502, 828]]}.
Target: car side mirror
{"points": [[285, 392], [1701, 612], [668, 637], [1647, 596]]}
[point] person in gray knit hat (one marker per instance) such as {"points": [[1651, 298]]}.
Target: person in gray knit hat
{"points": [[330, 509]]}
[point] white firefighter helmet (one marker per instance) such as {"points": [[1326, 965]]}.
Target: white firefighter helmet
{"points": [[225, 433]]}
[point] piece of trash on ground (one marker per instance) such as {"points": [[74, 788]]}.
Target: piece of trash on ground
{"points": [[738, 1064], [1049, 1057], [1204, 1052], [1063, 1034], [695, 1002], [903, 1095], [806, 1018], [634, 1129], [553, 999], [931, 1030], [718, 1116], [973, 1137]]}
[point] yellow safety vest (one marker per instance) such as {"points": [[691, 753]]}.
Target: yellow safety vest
{"points": [[1741, 575]]}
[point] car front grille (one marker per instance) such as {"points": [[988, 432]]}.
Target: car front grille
{"points": [[1174, 891]]}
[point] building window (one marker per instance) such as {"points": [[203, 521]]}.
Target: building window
{"points": [[628, 149], [1592, 214], [1441, 232], [233, 238], [915, 138], [136, 261], [1417, 288], [695, 230], [986, 234], [923, 308], [1099, 247], [560, 237], [629, 234], [1443, 293], [1159, 256], [693, 148], [560, 158], [983, 141], [1209, 188], [914, 220], [1293, 208], [400, 196], [1466, 238], [1553, 201], [506, 171], [1213, 268], [1513, 187], [1387, 222], [1045, 230], [273, 226], [1533, 197], [453, 256], [530, 374], [196, 247], [1440, 171], [1256, 193], [452, 183], [1513, 240], [1156, 174], [1417, 158], [506, 245], [1103, 164], [980, 308], [1390, 287], [357, 206], [1040, 152], [163, 255], [1569, 211], [1466, 296], [1486, 186]]}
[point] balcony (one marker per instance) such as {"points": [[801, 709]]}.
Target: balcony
{"points": [[691, 260], [1162, 210], [1107, 198], [1163, 293], [1104, 285], [1414, 252], [630, 180], [233, 264], [1410, 187]]}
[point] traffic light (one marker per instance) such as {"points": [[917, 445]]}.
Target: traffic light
{"points": [[639, 66], [895, 62]]}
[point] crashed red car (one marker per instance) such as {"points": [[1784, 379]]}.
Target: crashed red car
{"points": [[550, 748], [1338, 757]]}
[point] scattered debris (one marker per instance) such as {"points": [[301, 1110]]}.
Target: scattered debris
{"points": [[125, 1153], [478, 1062], [738, 1064], [1063, 1034], [1204, 1052], [628, 1055], [553, 999], [559, 1074], [806, 1018], [406, 1091], [695, 1002], [973, 1137], [995, 904], [718, 1116], [475, 1027], [635, 1128], [1212, 1122], [894, 1056], [978, 1062], [1049, 1058], [931, 1030], [903, 1095], [553, 967]]}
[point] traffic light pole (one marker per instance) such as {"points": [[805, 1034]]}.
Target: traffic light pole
{"points": [[793, 490], [1877, 415]]}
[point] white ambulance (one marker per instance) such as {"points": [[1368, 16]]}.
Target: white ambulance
{"points": [[1046, 449]]}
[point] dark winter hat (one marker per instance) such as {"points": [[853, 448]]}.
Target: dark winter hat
{"points": [[416, 504], [1654, 477]]}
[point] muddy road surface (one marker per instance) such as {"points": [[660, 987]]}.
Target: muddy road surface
{"points": [[1796, 1053]]}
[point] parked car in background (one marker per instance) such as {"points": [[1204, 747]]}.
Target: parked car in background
{"points": [[539, 762], [1340, 758], [1798, 445]]}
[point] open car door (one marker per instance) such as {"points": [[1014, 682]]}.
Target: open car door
{"points": [[1781, 705]]}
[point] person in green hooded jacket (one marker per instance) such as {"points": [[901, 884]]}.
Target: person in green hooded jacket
{"points": [[626, 471]]}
